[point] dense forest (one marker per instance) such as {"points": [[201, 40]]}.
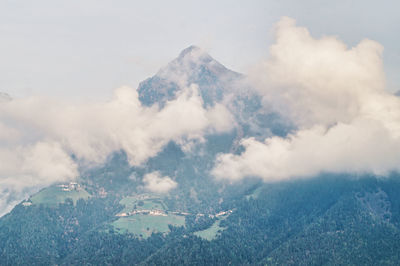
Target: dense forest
{"points": [[327, 220]]}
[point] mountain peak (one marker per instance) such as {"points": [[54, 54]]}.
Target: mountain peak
{"points": [[194, 55], [191, 61], [191, 49], [192, 66]]}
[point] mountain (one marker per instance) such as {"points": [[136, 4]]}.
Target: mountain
{"points": [[106, 217], [215, 84], [192, 66]]}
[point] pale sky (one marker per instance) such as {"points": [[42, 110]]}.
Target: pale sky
{"points": [[84, 49]]}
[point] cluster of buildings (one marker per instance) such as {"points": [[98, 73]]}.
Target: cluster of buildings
{"points": [[72, 186], [147, 212], [26, 203], [216, 215], [162, 213], [223, 213]]}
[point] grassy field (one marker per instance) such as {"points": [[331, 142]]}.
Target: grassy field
{"points": [[54, 195], [146, 204], [213, 231], [143, 225]]}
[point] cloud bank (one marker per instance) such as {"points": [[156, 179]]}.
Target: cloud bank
{"points": [[38, 135], [335, 95], [154, 182]]}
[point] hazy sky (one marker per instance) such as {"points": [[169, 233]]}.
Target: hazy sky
{"points": [[84, 49]]}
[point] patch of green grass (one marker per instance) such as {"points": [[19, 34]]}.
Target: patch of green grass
{"points": [[152, 205], [213, 231], [144, 225], [129, 203], [54, 195], [134, 202]]}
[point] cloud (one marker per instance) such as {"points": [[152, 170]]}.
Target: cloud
{"points": [[154, 182], [35, 164], [25, 169], [335, 95], [318, 80], [39, 134], [362, 146], [93, 131]]}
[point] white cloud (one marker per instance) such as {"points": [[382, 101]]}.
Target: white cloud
{"points": [[336, 96], [318, 80], [220, 117], [93, 131], [154, 182], [36, 164], [26, 168], [362, 146], [39, 134]]}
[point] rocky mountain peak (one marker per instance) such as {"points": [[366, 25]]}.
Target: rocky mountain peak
{"points": [[192, 66]]}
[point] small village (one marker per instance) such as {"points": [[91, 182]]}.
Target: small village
{"points": [[145, 212], [72, 186], [165, 213], [26, 203]]}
